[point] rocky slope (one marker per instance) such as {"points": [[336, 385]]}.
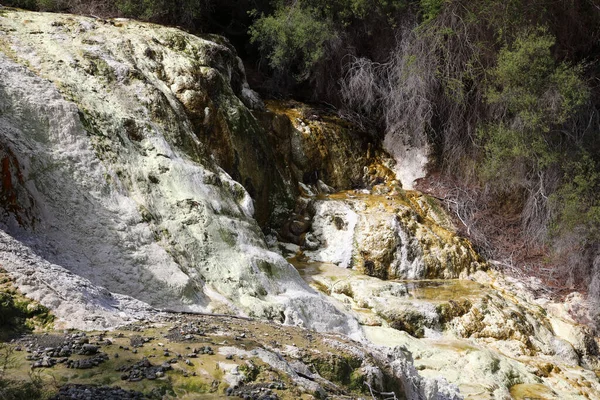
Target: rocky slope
{"points": [[112, 184]]}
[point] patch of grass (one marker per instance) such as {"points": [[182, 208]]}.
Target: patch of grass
{"points": [[19, 314], [18, 389]]}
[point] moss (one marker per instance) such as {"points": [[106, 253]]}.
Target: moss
{"points": [[265, 267], [228, 237], [409, 321], [132, 130], [237, 191], [338, 368], [87, 121], [146, 215], [96, 66], [357, 381], [176, 41], [19, 314], [453, 309], [162, 234], [250, 371], [512, 378]]}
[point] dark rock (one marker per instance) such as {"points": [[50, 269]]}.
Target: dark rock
{"points": [[299, 227], [83, 392], [166, 366], [88, 350]]}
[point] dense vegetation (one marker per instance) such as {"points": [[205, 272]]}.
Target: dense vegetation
{"points": [[505, 92], [18, 314]]}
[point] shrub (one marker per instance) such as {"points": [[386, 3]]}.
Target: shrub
{"points": [[293, 38], [184, 13], [577, 201]]}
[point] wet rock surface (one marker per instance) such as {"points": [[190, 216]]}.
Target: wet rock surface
{"points": [[491, 335], [400, 235]]}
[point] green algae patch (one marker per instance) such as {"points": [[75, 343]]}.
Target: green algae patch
{"points": [[340, 369], [409, 321], [526, 391], [438, 290]]}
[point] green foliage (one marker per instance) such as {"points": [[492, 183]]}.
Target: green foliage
{"points": [[577, 201], [20, 390], [430, 9], [348, 12], [8, 311], [293, 38], [25, 4], [40, 5], [532, 86], [52, 5], [298, 35], [183, 12], [18, 314], [534, 96]]}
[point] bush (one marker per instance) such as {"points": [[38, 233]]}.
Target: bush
{"points": [[293, 39], [534, 96], [310, 39], [18, 314], [185, 13], [577, 201], [25, 4]]}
